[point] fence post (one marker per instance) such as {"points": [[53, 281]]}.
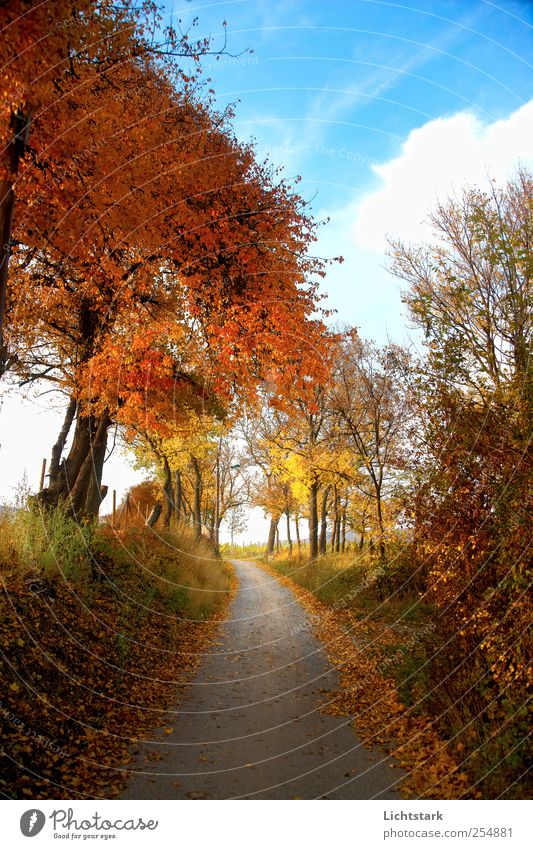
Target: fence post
{"points": [[43, 473]]}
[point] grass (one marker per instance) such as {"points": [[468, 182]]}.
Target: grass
{"points": [[181, 571], [254, 550], [358, 581]]}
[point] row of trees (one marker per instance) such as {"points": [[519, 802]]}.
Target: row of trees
{"points": [[330, 452], [158, 273], [432, 449], [389, 443], [435, 449], [335, 455]]}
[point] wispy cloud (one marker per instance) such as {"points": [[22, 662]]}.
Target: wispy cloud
{"points": [[341, 96]]}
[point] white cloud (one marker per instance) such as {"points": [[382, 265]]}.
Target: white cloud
{"points": [[435, 161]]}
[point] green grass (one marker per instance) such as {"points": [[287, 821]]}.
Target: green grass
{"points": [[250, 550], [358, 581], [169, 569]]}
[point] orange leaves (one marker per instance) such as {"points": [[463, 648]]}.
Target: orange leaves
{"points": [[159, 270]]}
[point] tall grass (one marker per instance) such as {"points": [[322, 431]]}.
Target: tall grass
{"points": [[180, 571], [388, 590], [47, 542]]}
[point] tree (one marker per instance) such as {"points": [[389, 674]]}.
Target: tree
{"points": [[50, 54], [237, 521], [160, 277], [470, 293], [369, 399]]}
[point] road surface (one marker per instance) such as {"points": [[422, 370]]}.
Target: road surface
{"points": [[250, 725]]}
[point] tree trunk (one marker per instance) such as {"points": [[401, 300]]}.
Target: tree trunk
{"points": [[381, 528], [85, 495], [322, 542], [96, 492], [313, 520], [154, 516], [177, 497], [277, 541], [20, 125], [85, 447], [272, 534], [197, 505], [363, 528], [216, 512], [334, 530], [333, 533], [343, 532], [339, 526], [69, 469], [168, 495], [187, 513], [297, 527], [58, 447], [289, 540]]}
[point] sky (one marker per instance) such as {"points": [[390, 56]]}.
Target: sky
{"points": [[381, 108]]}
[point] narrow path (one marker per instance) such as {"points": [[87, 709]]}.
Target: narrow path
{"points": [[251, 726]]}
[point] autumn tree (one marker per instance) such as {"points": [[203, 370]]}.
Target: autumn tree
{"points": [[291, 446], [369, 399], [163, 258], [52, 54], [470, 293]]}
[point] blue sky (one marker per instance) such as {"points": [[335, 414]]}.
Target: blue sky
{"points": [[381, 108], [334, 90]]}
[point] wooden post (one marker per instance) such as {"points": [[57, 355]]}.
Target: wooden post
{"points": [[114, 506], [43, 473]]}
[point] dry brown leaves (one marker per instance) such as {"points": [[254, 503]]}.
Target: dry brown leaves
{"points": [[358, 649], [84, 679]]}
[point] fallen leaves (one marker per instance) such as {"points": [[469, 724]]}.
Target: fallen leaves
{"points": [[358, 649], [97, 672]]}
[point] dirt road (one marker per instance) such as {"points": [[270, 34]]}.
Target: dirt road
{"points": [[251, 725]]}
